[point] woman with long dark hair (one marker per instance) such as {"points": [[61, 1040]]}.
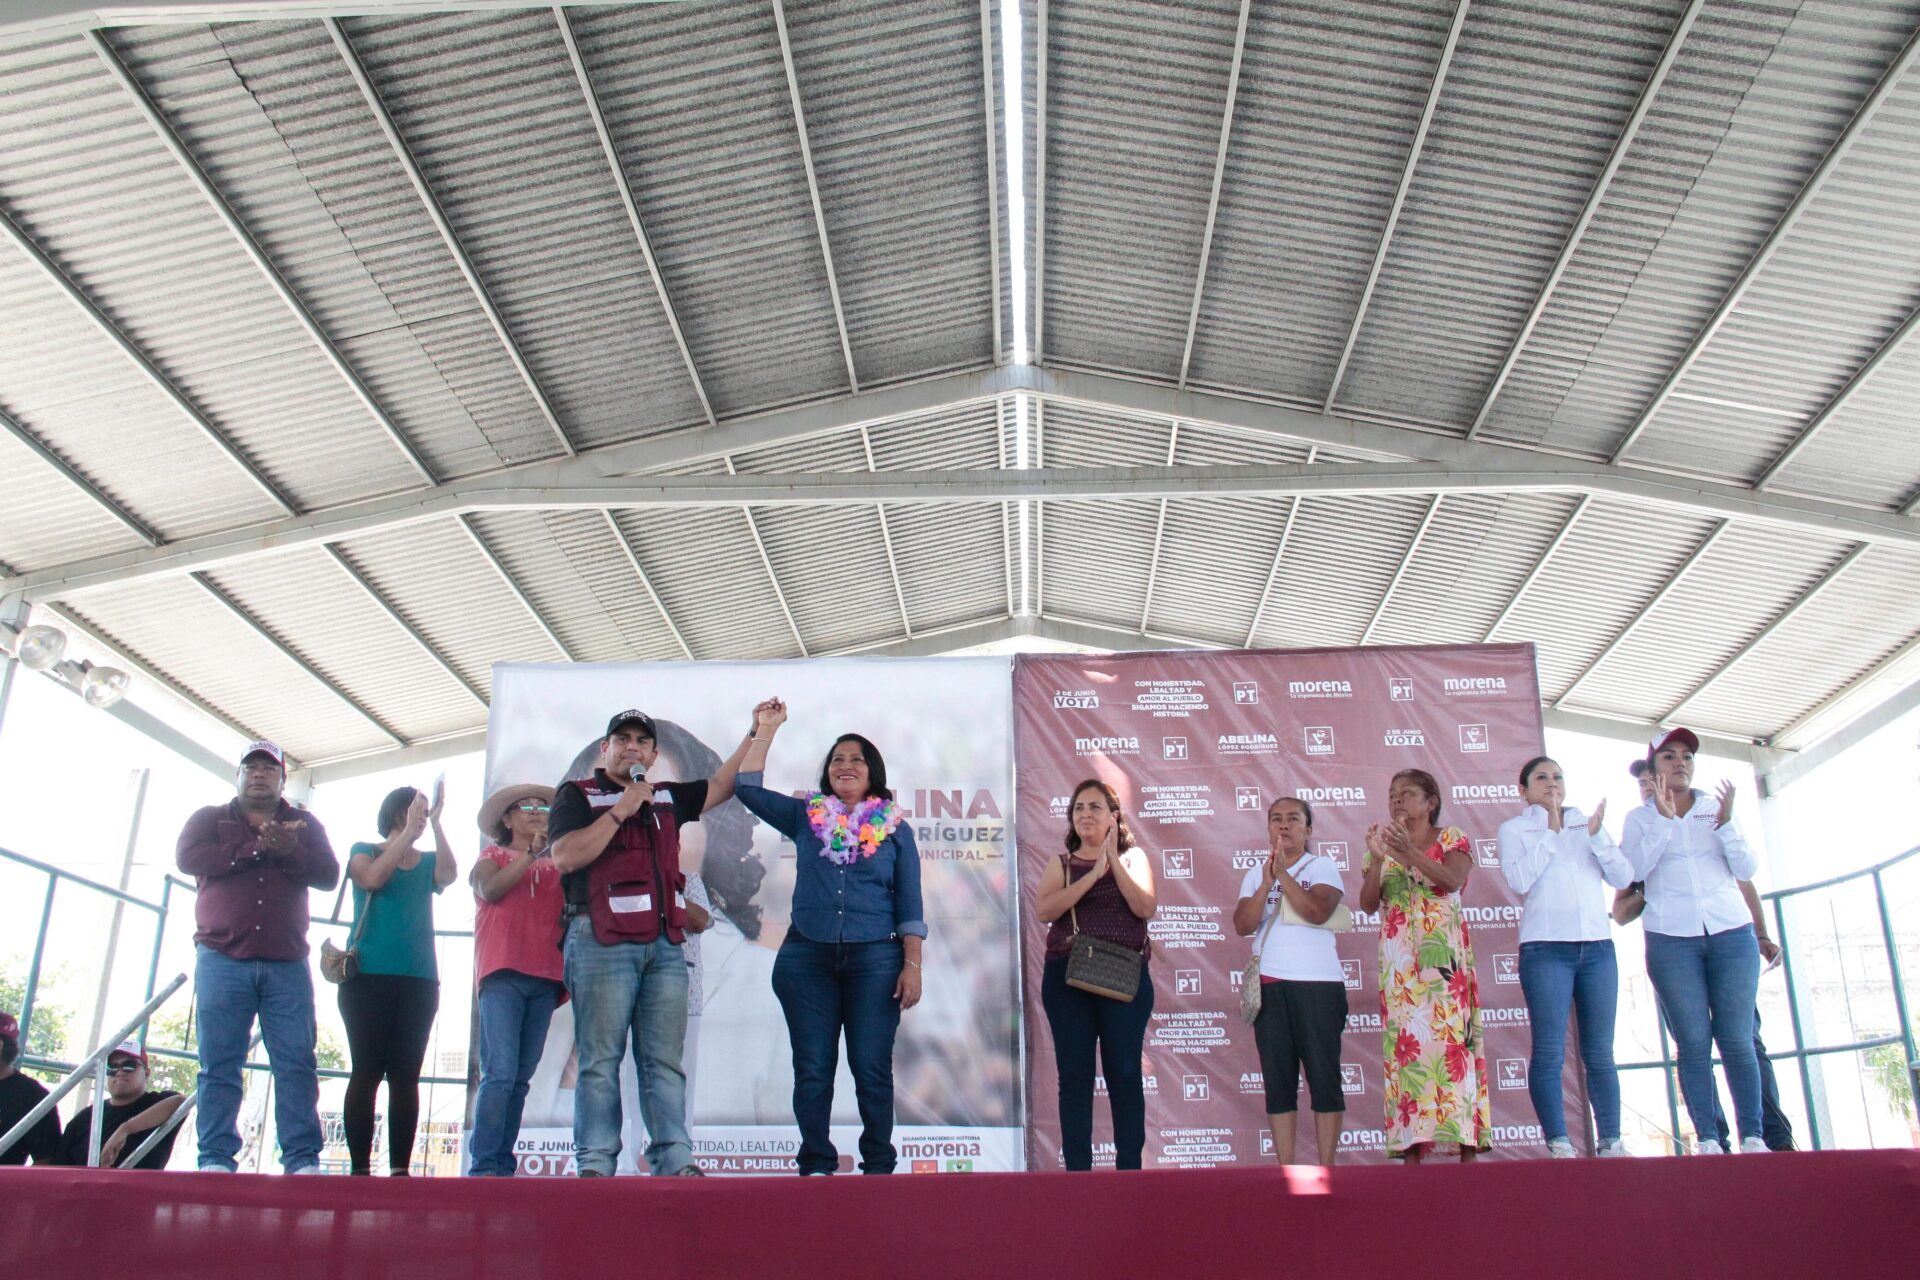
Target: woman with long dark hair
{"points": [[1103, 887], [851, 959], [1560, 860], [1435, 1061], [389, 1008]]}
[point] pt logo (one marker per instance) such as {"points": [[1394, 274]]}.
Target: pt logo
{"points": [[1186, 982], [1319, 740], [1487, 852], [1350, 974], [1511, 1073], [1177, 864], [1234, 978], [1173, 748], [1195, 1089], [1352, 1078], [1399, 689], [1246, 798], [1506, 969], [1246, 693], [1473, 738], [1335, 851]]}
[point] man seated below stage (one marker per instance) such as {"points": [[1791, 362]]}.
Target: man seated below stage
{"points": [[19, 1094], [130, 1114]]}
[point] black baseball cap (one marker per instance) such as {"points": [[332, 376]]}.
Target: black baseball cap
{"points": [[631, 716]]}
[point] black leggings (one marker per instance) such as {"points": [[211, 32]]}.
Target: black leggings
{"points": [[389, 1018]]}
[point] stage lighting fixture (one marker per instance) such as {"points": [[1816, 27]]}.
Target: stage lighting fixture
{"points": [[40, 647], [104, 686]]}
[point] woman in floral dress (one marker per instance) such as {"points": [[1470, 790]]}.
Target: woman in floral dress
{"points": [[1434, 1059]]}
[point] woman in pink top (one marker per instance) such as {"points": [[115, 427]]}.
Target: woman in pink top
{"points": [[516, 964]]}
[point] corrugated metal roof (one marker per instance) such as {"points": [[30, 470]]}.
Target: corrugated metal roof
{"points": [[698, 105], [696, 100]]}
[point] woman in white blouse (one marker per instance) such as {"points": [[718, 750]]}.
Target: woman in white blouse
{"points": [[1558, 859], [1701, 953]]}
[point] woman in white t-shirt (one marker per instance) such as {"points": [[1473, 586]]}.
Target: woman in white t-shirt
{"points": [[1560, 860], [1303, 992]]}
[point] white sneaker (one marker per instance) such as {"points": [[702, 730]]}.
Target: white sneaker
{"points": [[1754, 1147], [1613, 1147], [1708, 1147], [1561, 1149]]}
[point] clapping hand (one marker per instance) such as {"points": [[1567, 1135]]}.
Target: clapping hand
{"points": [[1598, 816], [276, 839], [1663, 802], [1725, 815], [416, 816]]}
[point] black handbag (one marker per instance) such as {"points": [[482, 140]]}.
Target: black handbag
{"points": [[1099, 967]]}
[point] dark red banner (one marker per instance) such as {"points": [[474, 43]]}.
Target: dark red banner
{"points": [[1198, 744]]}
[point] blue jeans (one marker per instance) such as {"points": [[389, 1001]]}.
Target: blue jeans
{"points": [[514, 1011], [637, 991], [826, 988], [1775, 1129], [1706, 984], [228, 995], [1558, 977]]}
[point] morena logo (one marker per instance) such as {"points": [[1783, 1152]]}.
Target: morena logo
{"points": [[1474, 684], [1319, 689], [1106, 746], [1486, 793], [1498, 1017], [1337, 797]]}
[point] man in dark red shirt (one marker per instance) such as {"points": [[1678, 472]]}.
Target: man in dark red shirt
{"points": [[254, 860]]}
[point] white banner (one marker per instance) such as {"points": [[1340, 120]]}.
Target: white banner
{"points": [[944, 728]]}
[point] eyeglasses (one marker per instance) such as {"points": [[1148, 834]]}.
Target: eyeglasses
{"points": [[532, 808], [124, 1068]]}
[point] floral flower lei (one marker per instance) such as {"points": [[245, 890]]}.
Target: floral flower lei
{"points": [[847, 835]]}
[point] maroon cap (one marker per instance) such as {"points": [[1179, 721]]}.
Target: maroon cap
{"points": [[9, 1027], [1675, 734]]}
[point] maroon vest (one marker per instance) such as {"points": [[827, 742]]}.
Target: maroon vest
{"points": [[634, 887]]}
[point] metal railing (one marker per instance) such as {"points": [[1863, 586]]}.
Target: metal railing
{"points": [[1802, 1055], [95, 1065]]}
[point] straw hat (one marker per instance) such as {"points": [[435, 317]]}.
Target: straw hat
{"points": [[495, 809]]}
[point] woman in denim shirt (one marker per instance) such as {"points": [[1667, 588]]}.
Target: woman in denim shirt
{"points": [[851, 958]]}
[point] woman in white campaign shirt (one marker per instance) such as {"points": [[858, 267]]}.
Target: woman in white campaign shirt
{"points": [[1559, 860], [1702, 956], [1303, 992]]}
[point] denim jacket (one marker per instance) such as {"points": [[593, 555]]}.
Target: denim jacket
{"points": [[870, 900]]}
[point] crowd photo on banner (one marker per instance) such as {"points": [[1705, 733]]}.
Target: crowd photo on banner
{"points": [[944, 915]]}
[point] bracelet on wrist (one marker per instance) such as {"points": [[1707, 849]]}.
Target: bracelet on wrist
{"points": [[914, 963]]}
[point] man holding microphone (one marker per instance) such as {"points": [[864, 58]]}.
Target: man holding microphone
{"points": [[615, 836]]}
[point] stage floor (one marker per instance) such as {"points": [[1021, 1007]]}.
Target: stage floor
{"points": [[1809, 1214]]}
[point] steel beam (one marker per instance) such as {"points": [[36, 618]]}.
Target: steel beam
{"points": [[126, 519], [399, 619], [286, 651], [1780, 619], [1399, 201], [1839, 400], [1039, 180], [190, 165], [1413, 549], [1213, 199], [813, 190], [1159, 532], [630, 203], [1775, 238], [1539, 566], [411, 167], [526, 602], [1899, 661], [1279, 555], [1646, 610], [1595, 197], [131, 350], [886, 537], [646, 583], [993, 172], [773, 577]]}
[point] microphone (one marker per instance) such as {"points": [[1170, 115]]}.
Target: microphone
{"points": [[638, 773]]}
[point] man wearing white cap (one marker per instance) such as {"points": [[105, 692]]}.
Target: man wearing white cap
{"points": [[254, 859], [130, 1114]]}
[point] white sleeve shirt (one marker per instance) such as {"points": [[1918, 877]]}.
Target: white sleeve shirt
{"points": [[1561, 875], [1692, 869]]}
